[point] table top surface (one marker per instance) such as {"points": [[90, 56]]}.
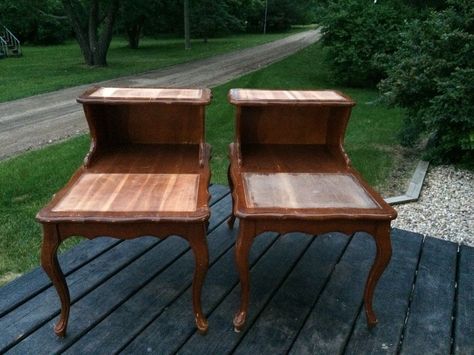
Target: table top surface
{"points": [[305, 191], [131, 193], [142, 95], [136, 183], [318, 97]]}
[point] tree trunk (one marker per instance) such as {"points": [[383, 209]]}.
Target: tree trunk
{"points": [[187, 31], [133, 36], [134, 32], [95, 35]]}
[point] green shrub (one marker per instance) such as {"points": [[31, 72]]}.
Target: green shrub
{"points": [[432, 76], [359, 35]]}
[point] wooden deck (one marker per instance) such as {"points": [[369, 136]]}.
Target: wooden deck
{"points": [[306, 297]]}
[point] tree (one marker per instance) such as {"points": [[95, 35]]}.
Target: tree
{"points": [[431, 75], [210, 18], [187, 32], [92, 25], [359, 36], [35, 21], [137, 15]]}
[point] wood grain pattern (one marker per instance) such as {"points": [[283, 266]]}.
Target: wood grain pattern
{"points": [[297, 125], [131, 193], [148, 93], [433, 300], [308, 96], [147, 173], [305, 190], [199, 96], [289, 172]]}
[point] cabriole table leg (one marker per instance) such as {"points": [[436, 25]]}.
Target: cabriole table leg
{"points": [[50, 264], [198, 244], [382, 258], [242, 249]]}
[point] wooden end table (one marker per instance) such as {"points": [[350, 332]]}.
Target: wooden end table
{"points": [[289, 173], [147, 173]]}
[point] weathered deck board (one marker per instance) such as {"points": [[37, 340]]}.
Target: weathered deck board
{"points": [[280, 259], [118, 289], [33, 314], [156, 298], [36, 281], [168, 331], [464, 325], [105, 298], [391, 299], [428, 329], [330, 323], [284, 316], [135, 296], [29, 285]]}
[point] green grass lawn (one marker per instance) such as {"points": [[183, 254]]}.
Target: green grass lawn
{"points": [[48, 68], [28, 181]]}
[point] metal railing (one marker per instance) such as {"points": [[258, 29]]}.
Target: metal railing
{"points": [[3, 47], [13, 44]]}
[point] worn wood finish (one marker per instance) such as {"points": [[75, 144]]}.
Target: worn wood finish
{"points": [[113, 275], [432, 301], [106, 192], [464, 317], [289, 173], [271, 270], [133, 296], [147, 173], [288, 310], [22, 289], [304, 190], [392, 299], [339, 304]]}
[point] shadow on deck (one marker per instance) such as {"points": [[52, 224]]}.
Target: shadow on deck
{"points": [[306, 297]]}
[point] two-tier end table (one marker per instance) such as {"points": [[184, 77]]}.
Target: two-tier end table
{"points": [[289, 173], [147, 173]]}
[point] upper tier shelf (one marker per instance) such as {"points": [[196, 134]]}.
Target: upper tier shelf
{"points": [[107, 95], [264, 97]]}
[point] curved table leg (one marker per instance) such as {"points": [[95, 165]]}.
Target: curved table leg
{"points": [[231, 220], [50, 264], [382, 258], [198, 244], [242, 249]]}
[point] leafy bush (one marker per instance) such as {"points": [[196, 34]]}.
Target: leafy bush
{"points": [[360, 35], [432, 76]]}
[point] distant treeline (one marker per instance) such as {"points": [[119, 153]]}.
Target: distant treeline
{"points": [[45, 21]]}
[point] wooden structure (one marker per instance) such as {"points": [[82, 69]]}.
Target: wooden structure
{"points": [[147, 173], [289, 173], [133, 296]]}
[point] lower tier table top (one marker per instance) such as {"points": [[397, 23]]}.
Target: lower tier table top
{"points": [[136, 183], [131, 193], [305, 190]]}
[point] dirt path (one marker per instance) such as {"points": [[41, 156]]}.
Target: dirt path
{"points": [[35, 121]]}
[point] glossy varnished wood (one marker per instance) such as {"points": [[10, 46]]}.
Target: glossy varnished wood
{"points": [[289, 173], [147, 173]]}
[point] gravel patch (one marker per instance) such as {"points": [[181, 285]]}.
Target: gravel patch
{"points": [[445, 207]]}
